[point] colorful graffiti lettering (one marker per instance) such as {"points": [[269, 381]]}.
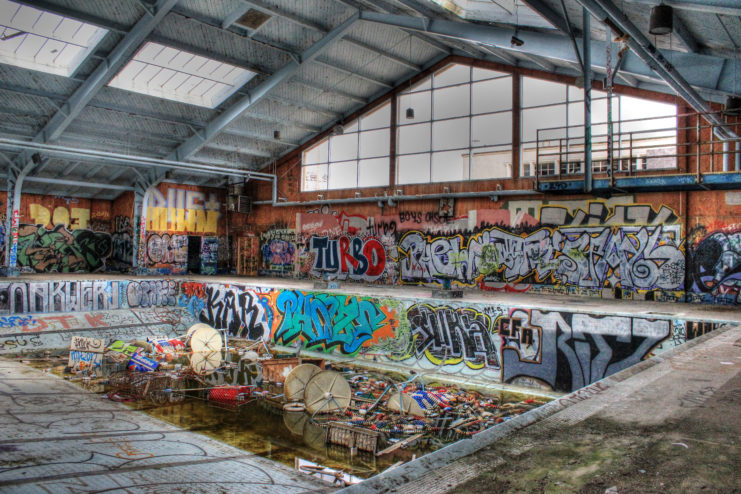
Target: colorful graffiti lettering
{"points": [[167, 251], [209, 255], [62, 250], [183, 211], [348, 257], [323, 321], [151, 293], [449, 336], [642, 258], [122, 240]]}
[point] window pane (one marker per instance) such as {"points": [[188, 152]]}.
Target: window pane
{"points": [[491, 96], [479, 74], [419, 102], [422, 85], [492, 129], [536, 92], [351, 127], [343, 175], [450, 134], [374, 143], [450, 166], [450, 102], [314, 177], [543, 118], [413, 169], [317, 154], [378, 119], [373, 172], [414, 138], [343, 147], [452, 74], [493, 162]]}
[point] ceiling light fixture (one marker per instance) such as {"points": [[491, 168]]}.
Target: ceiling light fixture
{"points": [[662, 20]]}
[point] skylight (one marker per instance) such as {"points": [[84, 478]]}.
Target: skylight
{"points": [[162, 71], [39, 40]]}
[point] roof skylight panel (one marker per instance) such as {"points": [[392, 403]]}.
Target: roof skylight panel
{"points": [[39, 40], [165, 72]]}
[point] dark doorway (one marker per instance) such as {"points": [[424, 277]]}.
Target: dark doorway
{"points": [[194, 255]]}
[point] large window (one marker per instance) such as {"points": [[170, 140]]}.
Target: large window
{"points": [[358, 156], [644, 131], [455, 125]]}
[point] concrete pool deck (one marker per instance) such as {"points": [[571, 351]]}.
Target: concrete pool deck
{"points": [[667, 424], [56, 437]]}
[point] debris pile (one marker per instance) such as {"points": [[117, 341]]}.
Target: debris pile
{"points": [[366, 412]]}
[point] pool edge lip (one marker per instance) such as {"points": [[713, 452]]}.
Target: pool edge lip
{"points": [[423, 465]]}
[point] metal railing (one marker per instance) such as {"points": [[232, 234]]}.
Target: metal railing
{"points": [[640, 145]]}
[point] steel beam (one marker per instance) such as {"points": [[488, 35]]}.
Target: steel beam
{"points": [[76, 183], [104, 72], [192, 145], [697, 69], [605, 10], [727, 7], [684, 35]]}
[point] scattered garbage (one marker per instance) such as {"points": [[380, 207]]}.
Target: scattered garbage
{"points": [[329, 405]]}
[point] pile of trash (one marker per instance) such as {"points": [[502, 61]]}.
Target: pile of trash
{"points": [[367, 412]]}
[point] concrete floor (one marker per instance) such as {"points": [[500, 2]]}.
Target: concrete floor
{"points": [[668, 424], [58, 438], [587, 305]]}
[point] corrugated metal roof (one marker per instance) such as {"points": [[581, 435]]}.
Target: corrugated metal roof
{"points": [[369, 59]]}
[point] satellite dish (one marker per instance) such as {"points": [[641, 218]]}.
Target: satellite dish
{"points": [[409, 405], [296, 381], [204, 338], [205, 363], [327, 391]]}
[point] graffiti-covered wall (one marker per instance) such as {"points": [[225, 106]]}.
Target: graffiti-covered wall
{"points": [[562, 350], [598, 248]]}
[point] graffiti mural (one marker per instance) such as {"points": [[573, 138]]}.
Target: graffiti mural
{"points": [[448, 336], [167, 251], [183, 211], [569, 350], [237, 310], [324, 322], [151, 293], [62, 250], [632, 258], [715, 267], [209, 255], [122, 241], [348, 257], [278, 248]]}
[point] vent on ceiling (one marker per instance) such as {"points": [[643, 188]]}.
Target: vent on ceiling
{"points": [[253, 19]]}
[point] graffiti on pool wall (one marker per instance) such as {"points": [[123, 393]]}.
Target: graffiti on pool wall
{"points": [[448, 336], [642, 258], [242, 312], [348, 257], [58, 296], [568, 350], [62, 250], [151, 293], [324, 322], [715, 266]]}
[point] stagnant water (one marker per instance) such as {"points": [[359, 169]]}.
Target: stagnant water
{"points": [[282, 436]]}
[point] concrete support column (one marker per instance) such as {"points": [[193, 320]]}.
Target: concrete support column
{"points": [[587, 58], [137, 222]]}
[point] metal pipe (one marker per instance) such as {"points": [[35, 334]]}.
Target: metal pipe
{"points": [[726, 150], [142, 161], [587, 74], [494, 194], [737, 165]]}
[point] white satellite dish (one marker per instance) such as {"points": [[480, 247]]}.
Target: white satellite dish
{"points": [[204, 338]]}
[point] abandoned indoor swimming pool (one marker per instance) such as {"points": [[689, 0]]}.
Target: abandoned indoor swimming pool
{"points": [[336, 384]]}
